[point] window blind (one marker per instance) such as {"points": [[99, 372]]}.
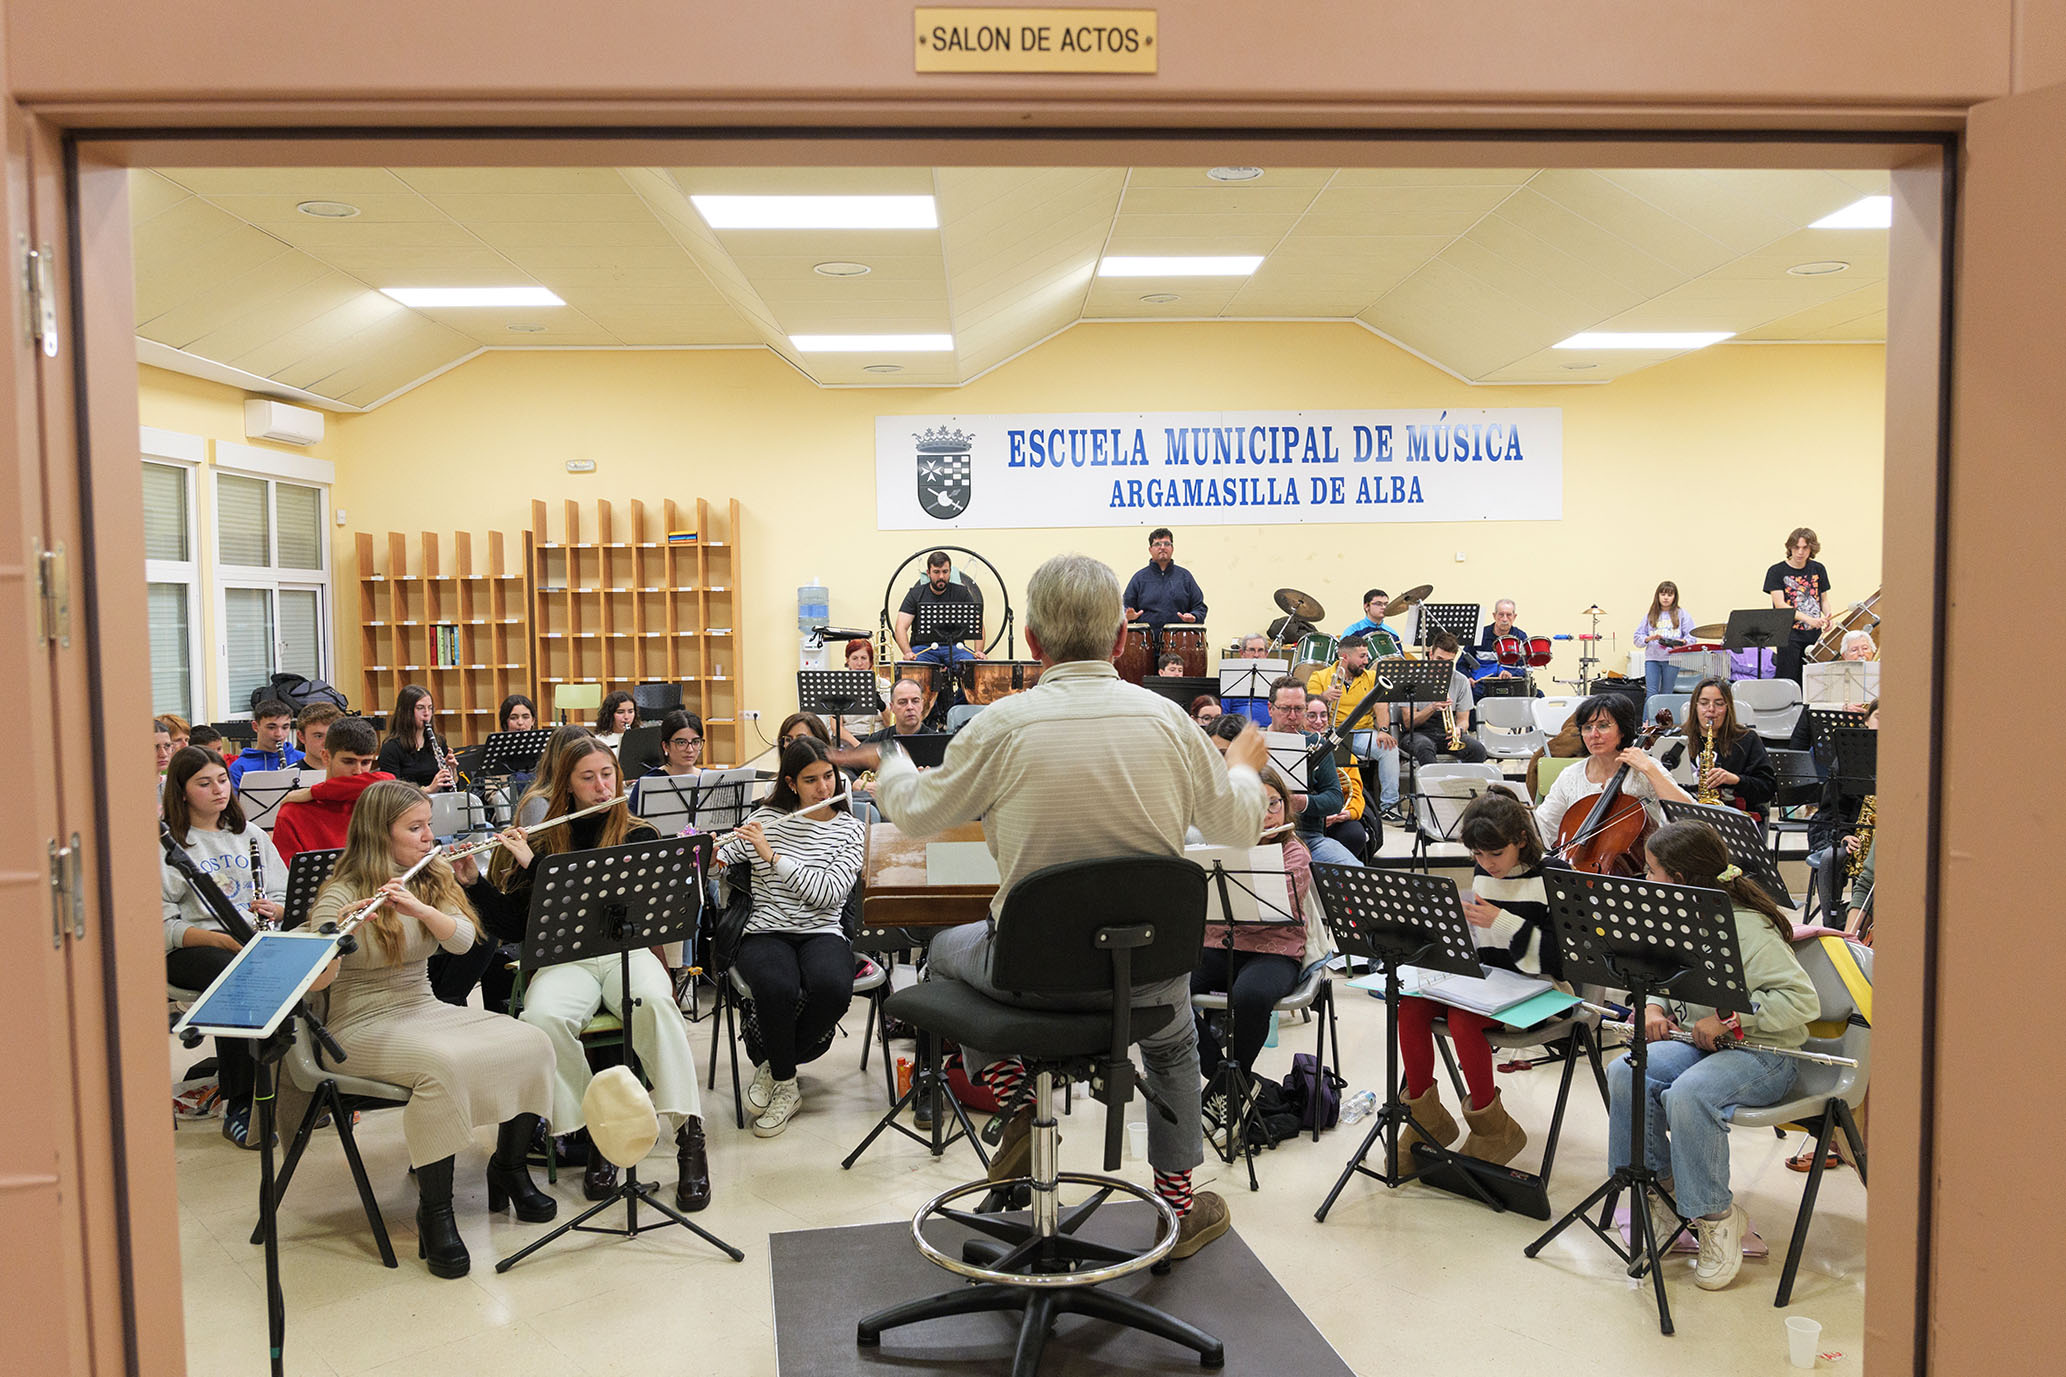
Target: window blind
{"points": [[165, 513], [248, 631], [299, 514], [243, 526], [172, 682], [301, 632]]}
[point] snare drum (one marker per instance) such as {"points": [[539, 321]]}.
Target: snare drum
{"points": [[1188, 641], [1317, 649], [1137, 653], [996, 679]]}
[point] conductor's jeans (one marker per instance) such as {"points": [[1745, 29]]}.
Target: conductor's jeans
{"points": [[196, 968], [1686, 1119], [1169, 1055]]}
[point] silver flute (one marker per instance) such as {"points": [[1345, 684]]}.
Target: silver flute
{"points": [[1681, 1035]]}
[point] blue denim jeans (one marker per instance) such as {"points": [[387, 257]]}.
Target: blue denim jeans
{"points": [[1660, 676], [1686, 1119], [1364, 745], [1328, 851]]}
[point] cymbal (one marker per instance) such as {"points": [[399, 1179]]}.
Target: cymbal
{"points": [[1300, 605], [1713, 631], [1408, 599]]}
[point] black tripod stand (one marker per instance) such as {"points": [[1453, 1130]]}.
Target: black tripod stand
{"points": [[1253, 895], [614, 901], [1395, 918], [1412, 682], [1648, 938]]}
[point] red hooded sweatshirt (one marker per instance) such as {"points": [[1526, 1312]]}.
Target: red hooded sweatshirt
{"points": [[321, 823]]}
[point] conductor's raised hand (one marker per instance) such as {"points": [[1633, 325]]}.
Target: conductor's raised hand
{"points": [[1249, 749]]}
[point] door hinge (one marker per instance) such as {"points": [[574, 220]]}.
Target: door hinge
{"points": [[67, 893], [54, 597], [39, 296]]}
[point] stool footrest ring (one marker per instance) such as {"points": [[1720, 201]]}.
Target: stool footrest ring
{"points": [[1166, 1227]]}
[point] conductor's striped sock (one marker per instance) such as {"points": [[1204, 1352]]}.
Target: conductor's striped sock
{"points": [[1175, 1188], [1002, 1078]]}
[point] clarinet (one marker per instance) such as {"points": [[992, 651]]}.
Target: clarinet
{"points": [[263, 924], [437, 749]]}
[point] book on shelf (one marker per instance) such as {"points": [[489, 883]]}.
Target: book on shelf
{"points": [[681, 537]]}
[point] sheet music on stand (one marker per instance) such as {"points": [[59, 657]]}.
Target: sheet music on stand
{"points": [[709, 800], [1840, 681], [1290, 754], [1257, 892], [306, 874], [1250, 678], [261, 792]]}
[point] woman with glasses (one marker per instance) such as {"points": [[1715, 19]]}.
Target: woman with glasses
{"points": [[681, 751], [1607, 730]]}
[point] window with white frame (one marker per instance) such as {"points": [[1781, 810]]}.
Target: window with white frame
{"points": [[272, 569], [172, 571]]}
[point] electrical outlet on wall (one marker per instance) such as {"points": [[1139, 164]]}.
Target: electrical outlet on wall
{"points": [[1459, 556], [752, 714]]}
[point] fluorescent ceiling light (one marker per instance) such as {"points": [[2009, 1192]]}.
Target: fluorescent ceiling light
{"points": [[1183, 265], [433, 298], [873, 344], [1644, 339], [1874, 212], [817, 212]]}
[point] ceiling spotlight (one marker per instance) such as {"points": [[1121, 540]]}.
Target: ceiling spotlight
{"points": [[882, 368], [1161, 298], [1234, 174], [328, 210], [1819, 269], [526, 329], [839, 269]]}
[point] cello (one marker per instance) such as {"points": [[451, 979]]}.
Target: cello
{"points": [[1609, 839]]}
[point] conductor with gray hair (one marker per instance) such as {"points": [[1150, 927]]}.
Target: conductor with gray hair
{"points": [[1083, 766]]}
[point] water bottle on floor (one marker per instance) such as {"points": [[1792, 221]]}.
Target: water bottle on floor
{"points": [[1358, 1106]]}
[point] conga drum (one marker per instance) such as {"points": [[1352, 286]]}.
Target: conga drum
{"points": [[1137, 653], [1188, 641], [992, 680]]}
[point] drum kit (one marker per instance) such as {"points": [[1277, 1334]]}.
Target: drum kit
{"points": [[1312, 649]]}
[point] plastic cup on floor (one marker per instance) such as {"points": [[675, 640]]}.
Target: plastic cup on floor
{"points": [[1803, 1338], [1137, 1142]]}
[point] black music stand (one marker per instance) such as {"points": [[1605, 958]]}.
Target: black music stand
{"points": [[1761, 628], [1411, 682], [1854, 763], [306, 874], [834, 693], [1391, 919], [1744, 834], [946, 623], [1823, 724], [1459, 619], [1647, 938], [1182, 689], [511, 753], [613, 901], [640, 750], [1238, 1131]]}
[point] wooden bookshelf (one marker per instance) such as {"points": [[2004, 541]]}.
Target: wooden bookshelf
{"points": [[484, 618], [619, 604]]}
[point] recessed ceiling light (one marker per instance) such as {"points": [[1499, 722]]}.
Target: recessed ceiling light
{"points": [[1234, 174], [525, 329], [872, 344], [1161, 298], [1180, 265], [436, 298], [328, 210], [1873, 212], [882, 368], [1644, 339], [1820, 269], [817, 212], [839, 269]]}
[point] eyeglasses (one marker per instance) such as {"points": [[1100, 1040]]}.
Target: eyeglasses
{"points": [[684, 740], [1275, 805], [1600, 725]]}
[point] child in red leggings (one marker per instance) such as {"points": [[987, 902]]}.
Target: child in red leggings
{"points": [[1509, 914]]}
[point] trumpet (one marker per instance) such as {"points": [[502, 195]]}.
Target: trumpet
{"points": [[1702, 764], [1681, 1035], [1453, 740]]}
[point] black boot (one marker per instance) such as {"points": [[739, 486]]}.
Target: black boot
{"points": [[692, 1168], [601, 1177], [509, 1173], [437, 1233]]}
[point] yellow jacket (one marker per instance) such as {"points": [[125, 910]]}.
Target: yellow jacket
{"points": [[1350, 696]]}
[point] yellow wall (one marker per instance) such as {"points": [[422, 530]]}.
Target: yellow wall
{"points": [[1693, 471]]}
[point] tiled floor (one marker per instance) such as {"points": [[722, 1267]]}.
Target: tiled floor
{"points": [[1392, 1276]]}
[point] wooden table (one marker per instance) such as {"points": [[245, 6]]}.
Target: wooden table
{"points": [[895, 891]]}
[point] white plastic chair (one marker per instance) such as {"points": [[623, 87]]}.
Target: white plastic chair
{"points": [[1552, 713], [1775, 704], [1517, 736]]}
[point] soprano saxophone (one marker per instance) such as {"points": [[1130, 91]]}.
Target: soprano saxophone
{"points": [[1702, 763], [1868, 813]]}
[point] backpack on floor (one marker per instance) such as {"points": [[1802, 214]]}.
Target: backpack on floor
{"points": [[1311, 1094]]}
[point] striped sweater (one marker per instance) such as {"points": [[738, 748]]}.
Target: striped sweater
{"points": [[816, 864], [1519, 938]]}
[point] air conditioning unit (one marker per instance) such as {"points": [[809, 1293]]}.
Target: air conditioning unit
{"points": [[265, 419]]}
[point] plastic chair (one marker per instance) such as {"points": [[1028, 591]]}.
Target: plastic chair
{"points": [[1548, 768], [1552, 713], [958, 716], [1508, 729], [582, 699], [1674, 703], [1775, 703], [1825, 1097]]}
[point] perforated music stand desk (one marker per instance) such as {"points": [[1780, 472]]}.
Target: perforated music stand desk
{"points": [[1759, 628], [612, 901], [946, 623], [1744, 834], [1855, 763], [1459, 619], [306, 874], [1647, 938], [837, 692], [1395, 918], [510, 753]]}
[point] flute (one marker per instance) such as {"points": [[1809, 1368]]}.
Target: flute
{"points": [[1681, 1035], [486, 844], [350, 922]]}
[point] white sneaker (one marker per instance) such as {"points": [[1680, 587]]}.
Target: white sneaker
{"points": [[1664, 1222], [783, 1101], [761, 1088], [1721, 1250]]}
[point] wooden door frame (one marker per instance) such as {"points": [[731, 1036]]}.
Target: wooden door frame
{"points": [[103, 397]]}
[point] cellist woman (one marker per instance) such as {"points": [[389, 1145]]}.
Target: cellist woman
{"points": [[1607, 730]]}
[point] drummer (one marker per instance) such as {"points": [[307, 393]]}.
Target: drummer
{"points": [[1163, 592], [939, 587], [1500, 627], [1371, 625], [1254, 646]]}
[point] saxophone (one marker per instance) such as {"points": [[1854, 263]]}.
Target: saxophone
{"points": [[1867, 815], [1702, 763]]}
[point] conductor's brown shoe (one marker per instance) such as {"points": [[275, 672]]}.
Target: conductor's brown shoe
{"points": [[1208, 1219]]}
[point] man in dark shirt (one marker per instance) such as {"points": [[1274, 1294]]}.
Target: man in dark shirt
{"points": [[1799, 581], [1501, 625], [1163, 591], [940, 588]]}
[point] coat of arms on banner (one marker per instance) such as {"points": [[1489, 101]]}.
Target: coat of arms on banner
{"points": [[943, 472]]}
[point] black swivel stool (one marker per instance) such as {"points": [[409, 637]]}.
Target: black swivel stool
{"points": [[1069, 932]]}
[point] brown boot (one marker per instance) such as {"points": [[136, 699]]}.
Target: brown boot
{"points": [[1430, 1114], [1014, 1155], [1495, 1137]]}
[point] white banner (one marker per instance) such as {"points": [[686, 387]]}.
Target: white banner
{"points": [[1218, 468]]}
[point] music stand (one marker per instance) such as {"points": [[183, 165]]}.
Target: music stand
{"points": [[1823, 724], [1181, 689], [1250, 892], [1250, 678], [1757, 627], [639, 751], [1459, 619], [512, 753], [1855, 766], [1647, 938], [1410, 682], [306, 874], [938, 623], [614, 901], [1292, 755], [1744, 834], [261, 792], [835, 693], [1394, 918]]}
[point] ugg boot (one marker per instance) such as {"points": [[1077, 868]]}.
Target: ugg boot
{"points": [[1430, 1114], [437, 1233], [1495, 1137]]}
